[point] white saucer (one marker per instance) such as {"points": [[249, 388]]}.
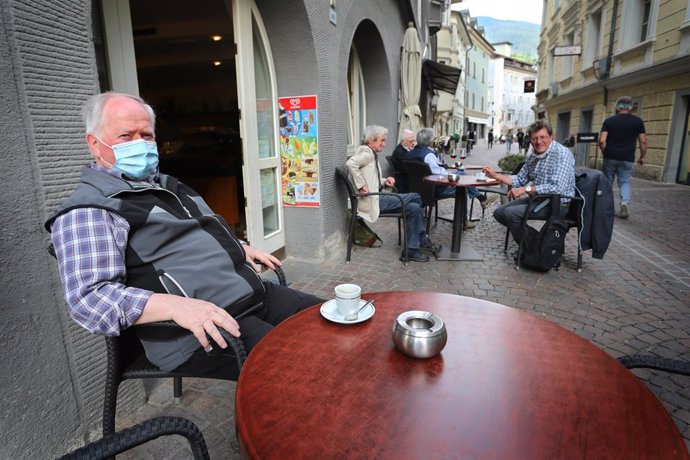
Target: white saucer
{"points": [[330, 312]]}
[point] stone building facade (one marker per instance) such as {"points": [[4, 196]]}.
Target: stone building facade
{"points": [[214, 72], [592, 52]]}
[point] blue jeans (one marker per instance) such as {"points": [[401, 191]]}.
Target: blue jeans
{"points": [[413, 213], [622, 169]]}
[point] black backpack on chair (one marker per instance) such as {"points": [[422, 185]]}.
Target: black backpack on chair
{"points": [[542, 249]]}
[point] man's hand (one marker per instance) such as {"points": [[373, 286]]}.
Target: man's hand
{"points": [[198, 316], [489, 171], [389, 182], [641, 160], [516, 192], [364, 189], [265, 258]]}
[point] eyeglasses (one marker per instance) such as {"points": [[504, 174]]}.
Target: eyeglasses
{"points": [[540, 139]]}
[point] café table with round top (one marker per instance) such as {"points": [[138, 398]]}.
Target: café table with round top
{"points": [[459, 251], [506, 385]]}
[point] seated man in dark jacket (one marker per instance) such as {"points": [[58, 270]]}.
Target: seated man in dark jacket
{"points": [[136, 246], [406, 144]]}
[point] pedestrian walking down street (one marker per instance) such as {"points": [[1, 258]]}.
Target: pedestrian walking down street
{"points": [[490, 138], [526, 144], [519, 137], [618, 141]]}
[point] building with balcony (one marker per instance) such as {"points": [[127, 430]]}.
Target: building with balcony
{"points": [[591, 52], [510, 107], [477, 110], [452, 43]]}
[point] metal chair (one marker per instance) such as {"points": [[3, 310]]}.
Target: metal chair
{"points": [[416, 171], [502, 190], [573, 218], [141, 433], [401, 181], [343, 174]]}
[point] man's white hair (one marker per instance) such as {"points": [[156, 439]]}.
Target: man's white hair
{"points": [[92, 112], [373, 132]]}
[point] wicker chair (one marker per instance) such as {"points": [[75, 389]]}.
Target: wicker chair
{"points": [[127, 360], [149, 430], [673, 366]]}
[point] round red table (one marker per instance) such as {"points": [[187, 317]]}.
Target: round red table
{"points": [[507, 385]]}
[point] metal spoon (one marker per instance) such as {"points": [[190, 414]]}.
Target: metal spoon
{"points": [[360, 309]]}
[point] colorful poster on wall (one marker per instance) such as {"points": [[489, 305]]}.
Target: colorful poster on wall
{"points": [[299, 151]]}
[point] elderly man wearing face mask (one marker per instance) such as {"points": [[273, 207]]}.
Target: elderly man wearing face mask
{"points": [[131, 243]]}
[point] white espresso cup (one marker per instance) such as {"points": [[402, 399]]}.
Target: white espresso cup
{"points": [[347, 297], [481, 175]]}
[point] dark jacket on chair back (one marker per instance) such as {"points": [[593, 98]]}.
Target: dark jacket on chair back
{"points": [[598, 210]]}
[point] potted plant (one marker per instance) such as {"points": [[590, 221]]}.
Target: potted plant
{"points": [[509, 163]]}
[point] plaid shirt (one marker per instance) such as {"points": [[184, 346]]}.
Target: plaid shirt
{"points": [[90, 246], [551, 172]]}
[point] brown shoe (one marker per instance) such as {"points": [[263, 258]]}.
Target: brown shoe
{"points": [[490, 198]]}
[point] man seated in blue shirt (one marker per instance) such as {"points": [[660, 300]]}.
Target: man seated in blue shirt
{"points": [[548, 169], [136, 246], [423, 152]]}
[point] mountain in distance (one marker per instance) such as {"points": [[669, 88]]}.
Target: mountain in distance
{"points": [[523, 35]]}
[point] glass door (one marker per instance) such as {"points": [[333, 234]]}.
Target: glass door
{"points": [[258, 128]]}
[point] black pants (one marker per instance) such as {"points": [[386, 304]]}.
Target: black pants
{"points": [[281, 302]]}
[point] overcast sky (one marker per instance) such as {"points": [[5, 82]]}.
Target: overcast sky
{"points": [[515, 10]]}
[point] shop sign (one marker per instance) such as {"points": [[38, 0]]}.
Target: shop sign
{"points": [[299, 151]]}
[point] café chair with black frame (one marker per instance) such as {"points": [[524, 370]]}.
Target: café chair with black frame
{"points": [[343, 174], [502, 190], [127, 439], [126, 359], [401, 181], [573, 219], [416, 171]]}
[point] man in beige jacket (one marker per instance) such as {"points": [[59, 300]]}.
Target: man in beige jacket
{"points": [[366, 174]]}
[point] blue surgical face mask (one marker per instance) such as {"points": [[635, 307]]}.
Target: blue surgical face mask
{"points": [[136, 159]]}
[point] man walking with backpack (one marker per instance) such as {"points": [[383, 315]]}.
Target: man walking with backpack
{"points": [[548, 169], [618, 141]]}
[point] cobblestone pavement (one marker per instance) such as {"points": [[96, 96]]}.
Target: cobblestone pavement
{"points": [[637, 299]]}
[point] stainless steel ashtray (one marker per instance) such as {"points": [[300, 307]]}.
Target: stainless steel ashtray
{"points": [[453, 177], [419, 334]]}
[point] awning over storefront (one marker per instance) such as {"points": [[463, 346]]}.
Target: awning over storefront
{"points": [[440, 76], [479, 121]]}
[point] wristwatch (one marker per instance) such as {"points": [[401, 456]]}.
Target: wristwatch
{"points": [[528, 189]]}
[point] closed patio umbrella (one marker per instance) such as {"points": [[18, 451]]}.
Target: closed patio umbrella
{"points": [[410, 81]]}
